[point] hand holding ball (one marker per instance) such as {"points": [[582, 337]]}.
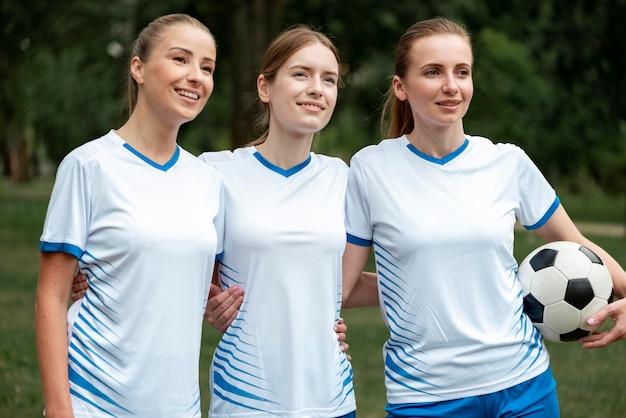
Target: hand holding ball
{"points": [[563, 284]]}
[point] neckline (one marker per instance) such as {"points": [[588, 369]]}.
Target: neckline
{"points": [[163, 167], [441, 161], [283, 172]]}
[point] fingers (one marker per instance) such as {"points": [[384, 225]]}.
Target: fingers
{"points": [[222, 308], [341, 326], [345, 347], [341, 329], [617, 312], [79, 283], [79, 286], [599, 317], [78, 295], [214, 290]]}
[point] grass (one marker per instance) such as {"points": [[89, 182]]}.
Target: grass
{"points": [[590, 382]]}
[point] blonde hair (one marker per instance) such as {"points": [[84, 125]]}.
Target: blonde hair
{"points": [[146, 42], [397, 118], [280, 50]]}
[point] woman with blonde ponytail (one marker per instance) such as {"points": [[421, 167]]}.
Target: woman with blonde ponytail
{"points": [[134, 212]]}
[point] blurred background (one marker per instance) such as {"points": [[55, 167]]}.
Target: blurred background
{"points": [[549, 76]]}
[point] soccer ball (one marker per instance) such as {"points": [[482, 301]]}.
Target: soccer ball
{"points": [[563, 284]]}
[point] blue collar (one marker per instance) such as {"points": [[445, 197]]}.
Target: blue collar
{"points": [[440, 161], [163, 167], [286, 173]]}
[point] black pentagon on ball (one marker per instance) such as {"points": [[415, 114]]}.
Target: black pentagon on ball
{"points": [[573, 335], [533, 308], [591, 255], [544, 258], [579, 293]]}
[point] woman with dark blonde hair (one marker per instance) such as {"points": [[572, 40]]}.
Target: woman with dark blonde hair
{"points": [[134, 212]]}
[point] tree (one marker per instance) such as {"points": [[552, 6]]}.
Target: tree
{"points": [[547, 80], [18, 24]]}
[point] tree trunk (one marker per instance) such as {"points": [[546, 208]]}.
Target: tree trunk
{"points": [[254, 23], [17, 153]]}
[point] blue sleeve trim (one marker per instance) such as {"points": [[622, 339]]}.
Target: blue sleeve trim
{"points": [[545, 217], [219, 257], [359, 241], [60, 247]]}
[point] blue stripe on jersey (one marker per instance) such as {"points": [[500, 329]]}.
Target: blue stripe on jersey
{"points": [[163, 167], [237, 348], [80, 381], [547, 215], [219, 381], [222, 269], [536, 347], [219, 394], [89, 401], [60, 247], [286, 173], [393, 281], [440, 161], [359, 241], [230, 364]]}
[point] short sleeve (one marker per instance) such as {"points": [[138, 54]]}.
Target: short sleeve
{"points": [[358, 225], [538, 199], [67, 219]]}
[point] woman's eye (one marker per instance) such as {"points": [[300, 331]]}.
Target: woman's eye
{"points": [[180, 59]]}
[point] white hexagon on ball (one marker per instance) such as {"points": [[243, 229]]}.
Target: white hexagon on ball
{"points": [[561, 317], [600, 280], [548, 285], [573, 263]]}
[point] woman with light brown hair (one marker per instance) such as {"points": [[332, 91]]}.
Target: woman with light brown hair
{"points": [[134, 212]]}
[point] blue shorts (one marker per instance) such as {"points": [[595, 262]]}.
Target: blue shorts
{"points": [[535, 398]]}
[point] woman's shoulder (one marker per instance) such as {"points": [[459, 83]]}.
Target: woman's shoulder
{"points": [[94, 147], [226, 155], [385, 146], [330, 161], [483, 143]]}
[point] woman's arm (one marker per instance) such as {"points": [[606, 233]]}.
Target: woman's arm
{"points": [[359, 289], [561, 228], [56, 272]]}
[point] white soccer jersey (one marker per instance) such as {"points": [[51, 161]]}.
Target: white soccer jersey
{"points": [[442, 231], [146, 236], [284, 240]]}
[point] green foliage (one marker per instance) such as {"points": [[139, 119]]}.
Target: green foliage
{"points": [[548, 76], [509, 95], [95, 98]]}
